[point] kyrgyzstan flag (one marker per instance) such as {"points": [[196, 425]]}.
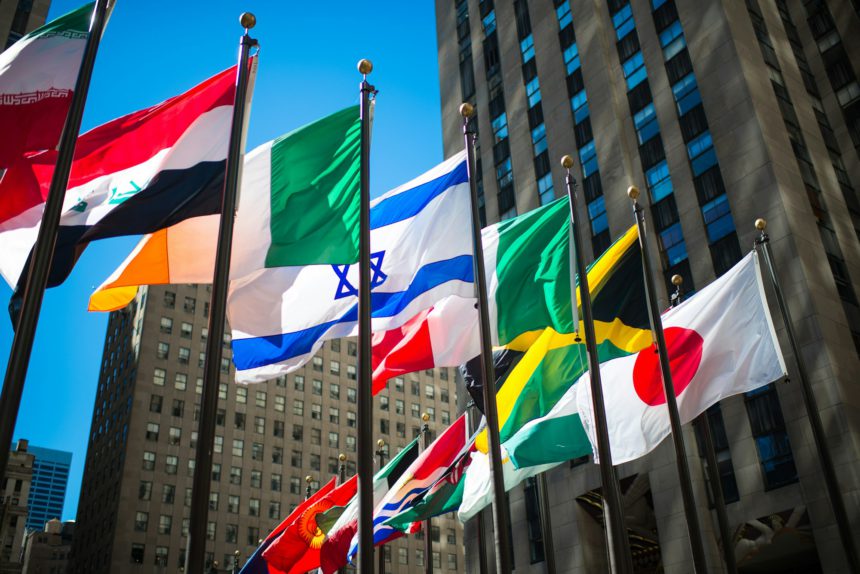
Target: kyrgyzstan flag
{"points": [[133, 175], [297, 549], [721, 343]]}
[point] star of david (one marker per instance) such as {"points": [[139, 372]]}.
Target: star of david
{"points": [[347, 289]]}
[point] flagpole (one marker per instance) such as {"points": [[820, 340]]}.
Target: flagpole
{"points": [[365, 369], [711, 462], [621, 560], [195, 555], [472, 428], [46, 240], [500, 507], [811, 405], [693, 528], [380, 452], [341, 473], [546, 524], [428, 542], [308, 491]]}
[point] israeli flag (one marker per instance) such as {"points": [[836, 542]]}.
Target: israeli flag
{"points": [[421, 252]]}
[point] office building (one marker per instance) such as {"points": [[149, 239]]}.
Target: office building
{"points": [[721, 112], [47, 551], [14, 491], [134, 506], [48, 487], [20, 17]]}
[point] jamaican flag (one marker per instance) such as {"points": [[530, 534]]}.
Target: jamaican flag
{"points": [[552, 362]]}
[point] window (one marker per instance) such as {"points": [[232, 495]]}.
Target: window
{"points": [[259, 425], [137, 552], [254, 509], [162, 351], [623, 22], [256, 479], [295, 485], [219, 444], [213, 501], [220, 417], [299, 383], [701, 153], [725, 468], [298, 407], [350, 419], [659, 183], [276, 482], [298, 432], [180, 383], [144, 491], [280, 403], [316, 387], [166, 325], [334, 368], [256, 451], [771, 438], [296, 459], [210, 535], [718, 218], [238, 447], [185, 330], [350, 443], [316, 412], [315, 461], [222, 391], [231, 533], [646, 124], [333, 415], [398, 406], [333, 440], [350, 372], [190, 304], [236, 475], [184, 355], [278, 429], [261, 399], [383, 426], [233, 504], [533, 522], [416, 410], [165, 524], [155, 405], [398, 383], [275, 510], [158, 377], [161, 555], [171, 464], [317, 364], [242, 395], [383, 403], [152, 430], [174, 435], [634, 70], [239, 421], [316, 436], [141, 521], [403, 555]]}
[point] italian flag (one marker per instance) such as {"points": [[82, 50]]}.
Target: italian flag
{"points": [[37, 78]]}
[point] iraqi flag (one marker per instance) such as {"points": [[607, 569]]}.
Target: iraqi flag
{"points": [[37, 79], [134, 175], [721, 343]]}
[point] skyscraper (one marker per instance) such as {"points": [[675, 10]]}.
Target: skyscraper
{"points": [[14, 490], [48, 487], [21, 17], [720, 112], [136, 490]]}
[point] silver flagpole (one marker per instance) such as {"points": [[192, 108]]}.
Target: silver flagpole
{"points": [[613, 514], [500, 506], [811, 405], [692, 518]]}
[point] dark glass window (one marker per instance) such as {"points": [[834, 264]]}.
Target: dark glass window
{"points": [[725, 468], [771, 439], [533, 522], [725, 253]]}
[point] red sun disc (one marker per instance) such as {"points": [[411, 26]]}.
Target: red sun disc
{"points": [[685, 354]]}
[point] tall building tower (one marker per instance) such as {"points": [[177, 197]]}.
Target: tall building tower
{"points": [[20, 17], [720, 112], [48, 487], [136, 491]]}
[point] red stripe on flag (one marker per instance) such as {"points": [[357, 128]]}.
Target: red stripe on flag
{"points": [[407, 349], [32, 127], [117, 145]]}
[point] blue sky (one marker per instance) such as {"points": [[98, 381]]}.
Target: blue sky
{"points": [[154, 50]]}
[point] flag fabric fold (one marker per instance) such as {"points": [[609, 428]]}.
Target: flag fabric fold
{"points": [[136, 174], [278, 177], [422, 474], [297, 548], [336, 545], [38, 74], [721, 342]]}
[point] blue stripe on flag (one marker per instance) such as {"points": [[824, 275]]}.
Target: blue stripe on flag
{"points": [[411, 201], [256, 352]]}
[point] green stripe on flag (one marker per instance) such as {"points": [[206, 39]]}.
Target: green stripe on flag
{"points": [[446, 499], [533, 270], [549, 440], [315, 193], [74, 24]]}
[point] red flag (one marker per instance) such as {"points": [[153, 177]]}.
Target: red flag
{"points": [[297, 549]]}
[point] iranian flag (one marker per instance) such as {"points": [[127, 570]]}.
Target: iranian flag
{"points": [[528, 273], [37, 78]]}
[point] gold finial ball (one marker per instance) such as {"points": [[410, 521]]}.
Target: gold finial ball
{"points": [[677, 280], [236, 553], [761, 224], [308, 479], [633, 192], [341, 457], [380, 443], [247, 20], [467, 110], [566, 162], [425, 417], [365, 66]]}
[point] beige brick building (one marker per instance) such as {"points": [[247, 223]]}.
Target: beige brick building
{"points": [[134, 504], [720, 111], [14, 493], [20, 17]]}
